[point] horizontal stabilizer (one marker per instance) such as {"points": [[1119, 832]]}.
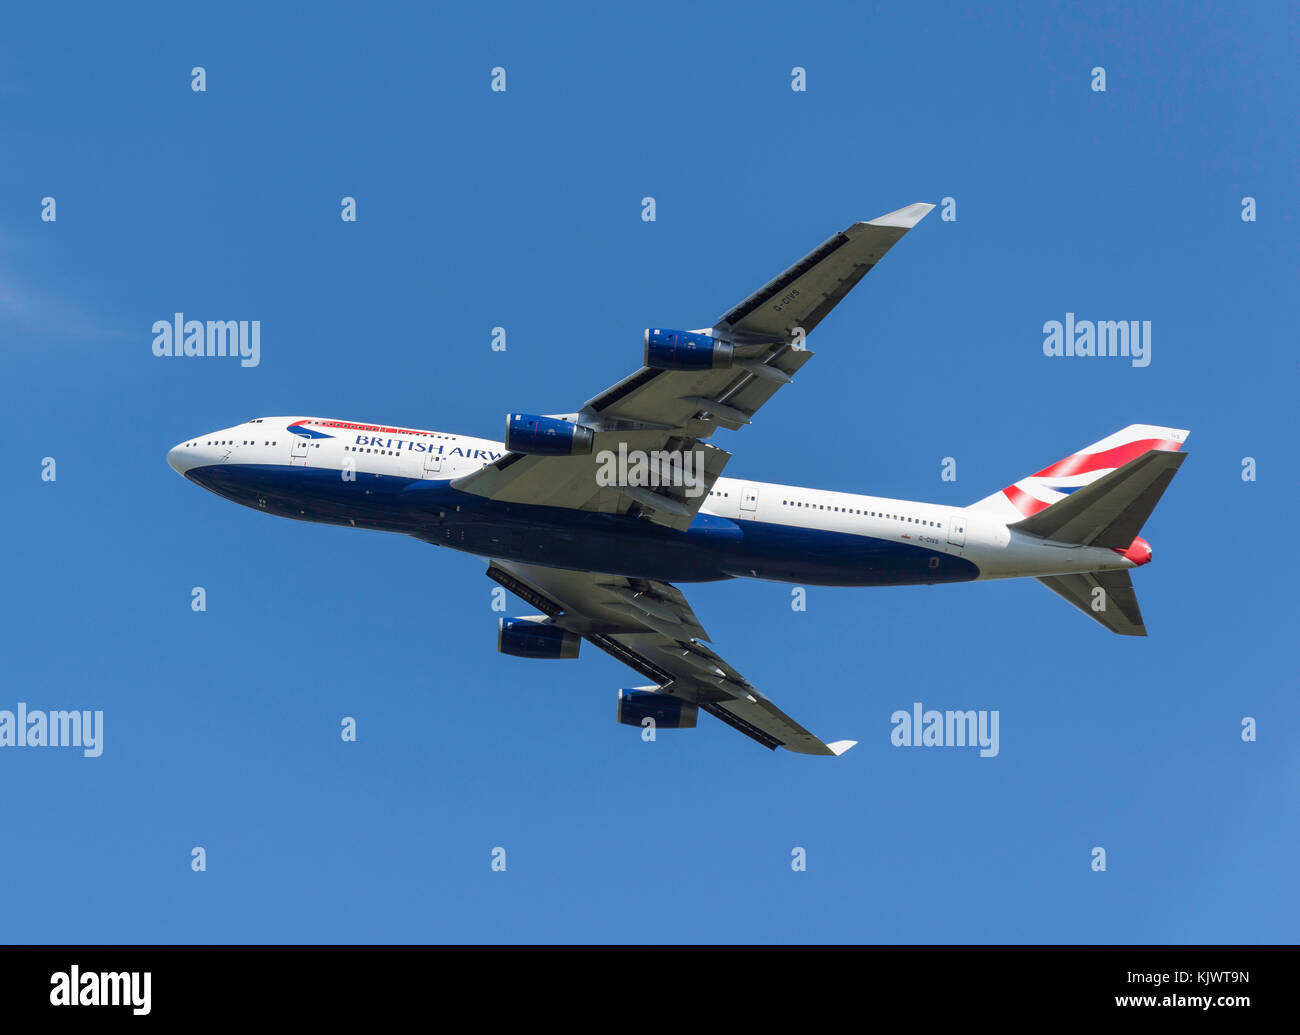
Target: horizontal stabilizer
{"points": [[1106, 596], [1111, 511]]}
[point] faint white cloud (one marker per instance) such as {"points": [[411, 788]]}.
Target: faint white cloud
{"points": [[25, 307]]}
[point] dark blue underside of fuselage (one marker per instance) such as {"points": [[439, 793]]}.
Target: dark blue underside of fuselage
{"points": [[711, 548]]}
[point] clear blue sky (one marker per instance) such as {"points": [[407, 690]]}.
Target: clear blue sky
{"points": [[522, 209]]}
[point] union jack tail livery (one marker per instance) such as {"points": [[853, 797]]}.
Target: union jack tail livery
{"points": [[1052, 484]]}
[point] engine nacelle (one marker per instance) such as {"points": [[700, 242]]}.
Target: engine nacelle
{"points": [[685, 350], [546, 436], [668, 712], [534, 638]]}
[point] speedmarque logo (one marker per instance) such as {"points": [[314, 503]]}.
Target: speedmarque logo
{"points": [[102, 988]]}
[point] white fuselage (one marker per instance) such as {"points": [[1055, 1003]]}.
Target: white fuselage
{"points": [[403, 456]]}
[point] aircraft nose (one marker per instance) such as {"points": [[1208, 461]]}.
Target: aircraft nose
{"points": [[181, 458]]}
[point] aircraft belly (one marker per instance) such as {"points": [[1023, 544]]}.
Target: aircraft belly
{"points": [[711, 548]]}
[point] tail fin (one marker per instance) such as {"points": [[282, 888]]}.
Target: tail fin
{"points": [[1100, 496], [1112, 510], [1062, 479]]}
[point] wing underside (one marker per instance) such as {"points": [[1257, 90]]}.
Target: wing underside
{"points": [[649, 626]]}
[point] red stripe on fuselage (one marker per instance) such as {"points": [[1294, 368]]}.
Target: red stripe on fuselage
{"points": [[348, 426]]}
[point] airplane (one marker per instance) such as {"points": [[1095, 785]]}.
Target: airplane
{"points": [[591, 517]]}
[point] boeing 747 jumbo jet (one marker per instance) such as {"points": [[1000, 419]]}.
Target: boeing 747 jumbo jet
{"points": [[590, 517]]}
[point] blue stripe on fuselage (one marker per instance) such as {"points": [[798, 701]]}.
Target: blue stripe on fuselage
{"points": [[711, 548]]}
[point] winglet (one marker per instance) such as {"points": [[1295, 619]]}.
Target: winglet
{"points": [[838, 747], [906, 218]]}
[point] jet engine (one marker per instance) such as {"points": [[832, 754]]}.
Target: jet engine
{"points": [[668, 712], [685, 350], [546, 436], [534, 637]]}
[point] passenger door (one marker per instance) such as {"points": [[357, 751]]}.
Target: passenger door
{"points": [[957, 530]]}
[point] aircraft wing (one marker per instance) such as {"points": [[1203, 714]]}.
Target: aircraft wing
{"points": [[649, 626], [674, 411]]}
